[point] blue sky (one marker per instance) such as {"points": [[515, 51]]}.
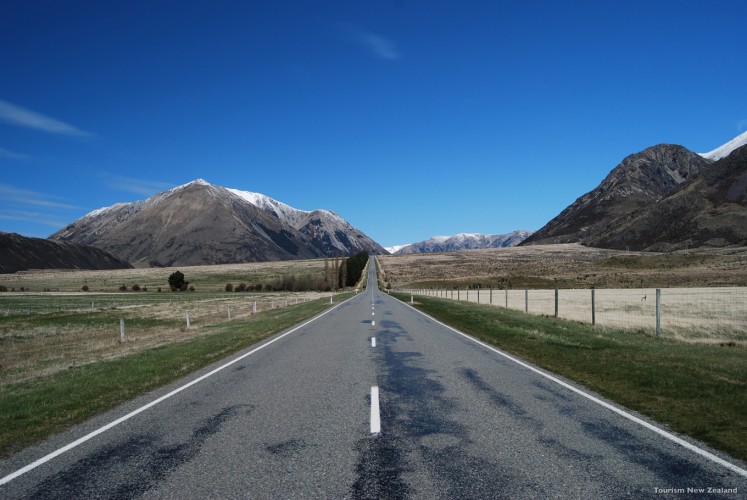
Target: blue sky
{"points": [[408, 118]]}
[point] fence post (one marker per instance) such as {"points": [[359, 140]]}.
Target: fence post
{"points": [[506, 297], [658, 311], [254, 307], [187, 320], [478, 295], [556, 302], [229, 313], [526, 300], [457, 294], [593, 309], [121, 331], [491, 295]]}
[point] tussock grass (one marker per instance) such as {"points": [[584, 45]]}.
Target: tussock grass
{"points": [[695, 389]]}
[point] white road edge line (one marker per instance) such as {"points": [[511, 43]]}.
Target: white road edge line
{"points": [[633, 418], [105, 428], [375, 415]]}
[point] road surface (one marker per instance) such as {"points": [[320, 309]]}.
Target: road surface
{"points": [[370, 400]]}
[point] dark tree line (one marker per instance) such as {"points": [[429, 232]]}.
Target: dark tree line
{"points": [[351, 271]]}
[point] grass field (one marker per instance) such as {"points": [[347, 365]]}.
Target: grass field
{"points": [[204, 278], [698, 390], [698, 315], [567, 266]]}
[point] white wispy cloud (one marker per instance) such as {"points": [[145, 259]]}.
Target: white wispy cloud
{"points": [[378, 45], [10, 155], [45, 219], [138, 186], [16, 115], [12, 195]]}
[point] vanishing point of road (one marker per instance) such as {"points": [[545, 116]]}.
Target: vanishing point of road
{"points": [[371, 399]]}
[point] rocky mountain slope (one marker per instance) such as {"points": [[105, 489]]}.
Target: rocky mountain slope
{"points": [[708, 210], [200, 223], [638, 181], [465, 241], [20, 253]]}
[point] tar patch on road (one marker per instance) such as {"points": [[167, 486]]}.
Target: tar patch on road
{"points": [[379, 470], [129, 468]]}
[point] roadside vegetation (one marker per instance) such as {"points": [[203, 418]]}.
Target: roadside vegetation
{"points": [[36, 408], [697, 390]]}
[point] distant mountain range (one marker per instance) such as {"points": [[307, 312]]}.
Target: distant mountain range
{"points": [[20, 253], [201, 223], [663, 198], [463, 241]]}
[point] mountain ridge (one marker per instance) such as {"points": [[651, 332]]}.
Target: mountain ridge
{"points": [[200, 223], [463, 241]]}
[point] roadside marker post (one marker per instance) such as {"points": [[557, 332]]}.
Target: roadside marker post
{"points": [[121, 331], [658, 312]]}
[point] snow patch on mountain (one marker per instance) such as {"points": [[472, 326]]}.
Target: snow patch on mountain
{"points": [[726, 149], [463, 241]]}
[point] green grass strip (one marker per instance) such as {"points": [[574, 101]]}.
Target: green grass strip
{"points": [[695, 389], [34, 410]]}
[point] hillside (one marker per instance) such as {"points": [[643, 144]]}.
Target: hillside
{"points": [[20, 253]]}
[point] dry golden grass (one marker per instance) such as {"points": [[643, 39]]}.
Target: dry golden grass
{"points": [[568, 266], [701, 296], [204, 278], [43, 331], [45, 340]]}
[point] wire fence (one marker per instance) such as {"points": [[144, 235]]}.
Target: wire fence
{"points": [[683, 313]]}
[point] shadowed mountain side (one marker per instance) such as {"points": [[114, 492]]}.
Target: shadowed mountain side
{"points": [[20, 253]]}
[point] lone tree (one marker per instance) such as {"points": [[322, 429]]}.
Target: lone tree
{"points": [[177, 282]]}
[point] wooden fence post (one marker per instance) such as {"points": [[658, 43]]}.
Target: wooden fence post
{"points": [[593, 309]]}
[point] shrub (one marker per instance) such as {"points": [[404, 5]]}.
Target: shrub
{"points": [[84, 288], [177, 281], [229, 287], [191, 288], [123, 288], [241, 287], [135, 287], [3, 288], [159, 289]]}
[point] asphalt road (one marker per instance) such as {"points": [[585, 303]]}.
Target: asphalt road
{"points": [[294, 420]]}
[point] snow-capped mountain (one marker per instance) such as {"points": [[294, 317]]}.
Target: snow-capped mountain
{"points": [[200, 223], [726, 149], [463, 241]]}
